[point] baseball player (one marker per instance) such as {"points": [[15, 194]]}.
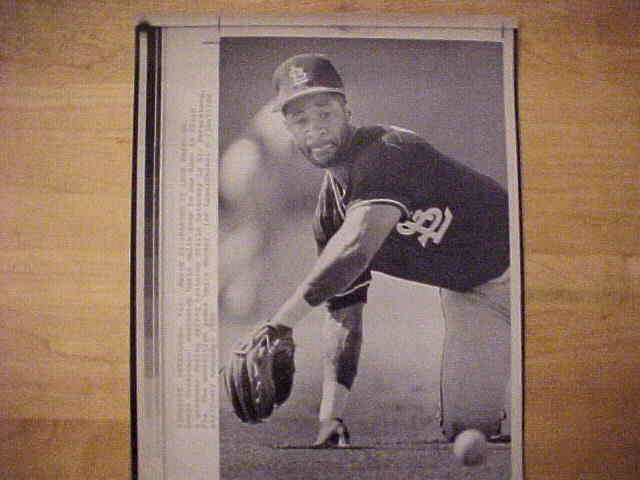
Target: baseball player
{"points": [[392, 203]]}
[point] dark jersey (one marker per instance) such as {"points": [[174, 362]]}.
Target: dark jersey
{"points": [[454, 231]]}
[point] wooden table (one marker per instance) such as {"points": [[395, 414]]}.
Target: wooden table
{"points": [[66, 85]]}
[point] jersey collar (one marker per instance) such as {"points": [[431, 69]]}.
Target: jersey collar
{"points": [[338, 194]]}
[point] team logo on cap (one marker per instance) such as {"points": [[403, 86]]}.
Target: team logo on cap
{"points": [[297, 75]]}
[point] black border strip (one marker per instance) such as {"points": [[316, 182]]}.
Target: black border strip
{"points": [[151, 325], [152, 170], [133, 376]]}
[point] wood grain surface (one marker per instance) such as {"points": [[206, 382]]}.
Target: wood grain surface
{"points": [[66, 86]]}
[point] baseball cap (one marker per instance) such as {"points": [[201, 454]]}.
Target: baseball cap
{"points": [[304, 75]]}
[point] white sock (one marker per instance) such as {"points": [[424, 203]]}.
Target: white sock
{"points": [[334, 400]]}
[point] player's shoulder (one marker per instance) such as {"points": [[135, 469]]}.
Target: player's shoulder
{"points": [[385, 135], [384, 147], [401, 137], [390, 139]]}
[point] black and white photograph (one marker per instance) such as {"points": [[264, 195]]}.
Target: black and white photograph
{"points": [[338, 274]]}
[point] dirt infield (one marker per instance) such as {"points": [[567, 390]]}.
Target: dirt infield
{"points": [[247, 453], [393, 419]]}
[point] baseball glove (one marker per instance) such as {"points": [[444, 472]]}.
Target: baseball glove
{"points": [[259, 374]]}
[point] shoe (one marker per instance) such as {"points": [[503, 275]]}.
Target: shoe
{"points": [[333, 434]]}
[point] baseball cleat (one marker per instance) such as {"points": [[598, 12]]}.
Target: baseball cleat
{"points": [[333, 434]]}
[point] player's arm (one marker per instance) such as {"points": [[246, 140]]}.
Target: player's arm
{"points": [[344, 258]]}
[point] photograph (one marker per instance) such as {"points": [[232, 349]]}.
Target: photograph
{"points": [[328, 251], [364, 230]]}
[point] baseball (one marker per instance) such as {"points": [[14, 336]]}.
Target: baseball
{"points": [[470, 448]]}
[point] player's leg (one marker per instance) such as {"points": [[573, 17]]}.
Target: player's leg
{"points": [[342, 344], [497, 293], [476, 358]]}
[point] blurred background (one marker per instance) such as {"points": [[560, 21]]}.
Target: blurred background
{"points": [[448, 92]]}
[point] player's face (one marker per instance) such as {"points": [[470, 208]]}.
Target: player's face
{"points": [[319, 125]]}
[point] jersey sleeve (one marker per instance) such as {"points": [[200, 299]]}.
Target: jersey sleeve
{"points": [[380, 177], [355, 293], [325, 224]]}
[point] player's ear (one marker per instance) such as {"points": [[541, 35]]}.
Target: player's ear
{"points": [[345, 107], [347, 112]]}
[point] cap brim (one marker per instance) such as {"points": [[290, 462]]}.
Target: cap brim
{"points": [[280, 103]]}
